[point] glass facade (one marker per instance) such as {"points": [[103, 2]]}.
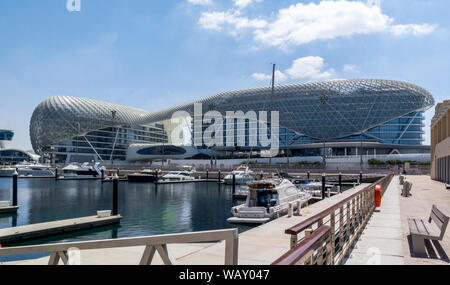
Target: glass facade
{"points": [[6, 135], [13, 156], [107, 144]]}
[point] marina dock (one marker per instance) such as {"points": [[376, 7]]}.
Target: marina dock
{"points": [[41, 230], [258, 246], [385, 234]]}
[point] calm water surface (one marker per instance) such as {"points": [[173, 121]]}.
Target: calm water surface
{"points": [[146, 209]]}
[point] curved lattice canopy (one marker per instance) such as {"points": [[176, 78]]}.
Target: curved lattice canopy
{"points": [[321, 110]]}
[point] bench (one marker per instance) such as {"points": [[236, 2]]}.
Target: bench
{"points": [[402, 179], [434, 229], [406, 190]]}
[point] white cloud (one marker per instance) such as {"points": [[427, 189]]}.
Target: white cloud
{"points": [[200, 2], [303, 23], [232, 20], [414, 29], [244, 3], [310, 67], [279, 76], [350, 68]]}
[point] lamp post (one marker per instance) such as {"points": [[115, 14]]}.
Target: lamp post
{"points": [[324, 101], [113, 116]]}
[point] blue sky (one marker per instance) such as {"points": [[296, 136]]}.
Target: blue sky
{"points": [[155, 54]]}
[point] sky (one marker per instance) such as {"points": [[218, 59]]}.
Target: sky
{"points": [[156, 54]]}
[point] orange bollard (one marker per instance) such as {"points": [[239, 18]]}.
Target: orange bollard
{"points": [[377, 196]]}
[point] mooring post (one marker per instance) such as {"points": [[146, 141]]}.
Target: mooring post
{"points": [[360, 177], [103, 175], [156, 175], [340, 182], [207, 175], [323, 186], [14, 196], [115, 194], [218, 179], [118, 172], [308, 174], [56, 173], [234, 183]]}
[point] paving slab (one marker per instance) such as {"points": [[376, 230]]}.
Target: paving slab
{"points": [[381, 239]]}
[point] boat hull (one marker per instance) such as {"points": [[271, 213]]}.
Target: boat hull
{"points": [[237, 220]]}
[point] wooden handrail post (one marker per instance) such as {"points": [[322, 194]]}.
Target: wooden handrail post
{"points": [[332, 236], [231, 249], [294, 240]]}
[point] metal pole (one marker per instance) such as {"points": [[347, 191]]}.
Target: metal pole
{"points": [[360, 177], [56, 173], [340, 182], [271, 106], [218, 178], [14, 196], [323, 186], [308, 174], [103, 175], [115, 194], [207, 175], [118, 172]]}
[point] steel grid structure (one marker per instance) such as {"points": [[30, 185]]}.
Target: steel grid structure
{"points": [[323, 111]]}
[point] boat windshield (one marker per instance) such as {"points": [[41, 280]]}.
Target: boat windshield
{"points": [[265, 198]]}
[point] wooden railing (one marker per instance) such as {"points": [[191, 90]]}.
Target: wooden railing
{"points": [[327, 237], [152, 244]]}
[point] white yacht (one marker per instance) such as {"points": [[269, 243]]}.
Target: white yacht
{"points": [[85, 170], [242, 176], [268, 199], [313, 187], [181, 175], [27, 170]]}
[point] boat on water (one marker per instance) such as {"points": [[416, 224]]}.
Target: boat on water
{"points": [[85, 170], [186, 173], [145, 176], [242, 175], [27, 170], [267, 200], [312, 187]]}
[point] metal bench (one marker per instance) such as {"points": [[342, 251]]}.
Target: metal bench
{"points": [[434, 229], [406, 190], [402, 179]]}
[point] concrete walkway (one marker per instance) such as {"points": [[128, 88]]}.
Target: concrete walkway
{"points": [[381, 240], [425, 193]]}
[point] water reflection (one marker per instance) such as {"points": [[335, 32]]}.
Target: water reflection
{"points": [[146, 209]]}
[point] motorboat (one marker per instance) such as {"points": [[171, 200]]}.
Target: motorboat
{"points": [[312, 187], [267, 200], [145, 176], [242, 175], [27, 170], [187, 173], [85, 170]]}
